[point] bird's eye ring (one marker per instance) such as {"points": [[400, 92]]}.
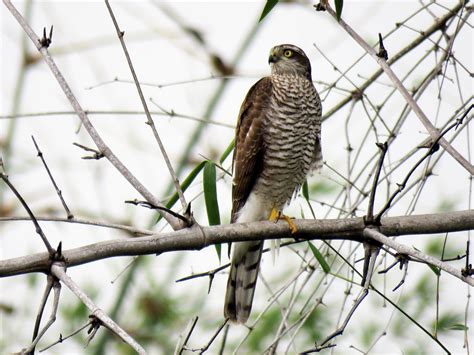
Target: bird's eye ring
{"points": [[288, 53]]}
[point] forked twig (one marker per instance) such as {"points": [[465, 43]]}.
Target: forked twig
{"points": [[99, 142], [150, 121], [63, 338], [214, 336], [59, 270], [404, 249], [188, 335], [432, 149], [406, 95], [51, 283]]}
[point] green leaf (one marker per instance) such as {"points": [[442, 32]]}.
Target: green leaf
{"points": [[317, 254], [435, 269], [227, 152], [210, 194], [269, 5], [305, 193], [304, 190], [458, 327], [210, 197], [338, 4], [184, 186]]}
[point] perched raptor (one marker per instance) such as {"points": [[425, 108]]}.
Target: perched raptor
{"points": [[277, 143]]}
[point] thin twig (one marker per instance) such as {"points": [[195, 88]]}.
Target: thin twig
{"points": [[116, 113], [99, 142], [54, 284], [404, 249], [59, 271], [38, 229], [370, 208], [188, 335], [137, 232], [150, 121], [44, 299], [364, 292], [214, 336], [404, 92], [432, 149], [63, 338], [58, 191]]}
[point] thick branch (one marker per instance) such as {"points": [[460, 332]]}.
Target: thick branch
{"points": [[198, 238]]}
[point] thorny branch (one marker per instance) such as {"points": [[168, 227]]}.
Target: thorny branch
{"points": [[102, 147], [432, 149], [150, 121], [59, 270], [191, 238], [409, 99]]}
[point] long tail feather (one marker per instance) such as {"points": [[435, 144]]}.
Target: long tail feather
{"points": [[242, 280]]}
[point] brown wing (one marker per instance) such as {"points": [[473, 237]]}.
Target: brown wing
{"points": [[249, 146]]}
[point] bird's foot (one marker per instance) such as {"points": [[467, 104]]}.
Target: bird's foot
{"points": [[276, 215]]}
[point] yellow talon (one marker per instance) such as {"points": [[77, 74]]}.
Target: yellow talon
{"points": [[275, 215], [291, 224]]}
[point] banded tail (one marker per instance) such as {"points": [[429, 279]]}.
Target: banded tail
{"points": [[242, 280]]}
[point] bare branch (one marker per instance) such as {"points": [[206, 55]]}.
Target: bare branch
{"points": [[404, 249], [404, 92], [197, 238], [58, 191], [129, 229], [103, 148], [150, 121], [436, 26], [59, 271], [54, 284], [38, 228], [188, 335]]}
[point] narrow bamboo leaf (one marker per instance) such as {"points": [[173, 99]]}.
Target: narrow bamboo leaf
{"points": [[304, 190], [218, 251], [184, 185], [317, 254], [227, 152], [210, 193], [269, 5], [458, 327], [338, 4], [210, 197], [305, 193]]}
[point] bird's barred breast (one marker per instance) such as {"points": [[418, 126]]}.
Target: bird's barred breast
{"points": [[291, 128]]}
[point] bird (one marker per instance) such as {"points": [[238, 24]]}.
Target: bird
{"points": [[277, 145]]}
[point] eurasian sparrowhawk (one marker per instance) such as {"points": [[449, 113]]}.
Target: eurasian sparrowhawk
{"points": [[277, 143]]}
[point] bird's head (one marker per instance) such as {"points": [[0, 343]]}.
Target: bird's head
{"points": [[290, 60]]}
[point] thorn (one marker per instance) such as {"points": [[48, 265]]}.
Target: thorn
{"points": [[45, 41], [382, 51]]}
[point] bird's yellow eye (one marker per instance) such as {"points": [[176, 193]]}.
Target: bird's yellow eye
{"points": [[288, 53]]}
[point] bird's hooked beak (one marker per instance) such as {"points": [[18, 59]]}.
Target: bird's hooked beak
{"points": [[273, 58]]}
